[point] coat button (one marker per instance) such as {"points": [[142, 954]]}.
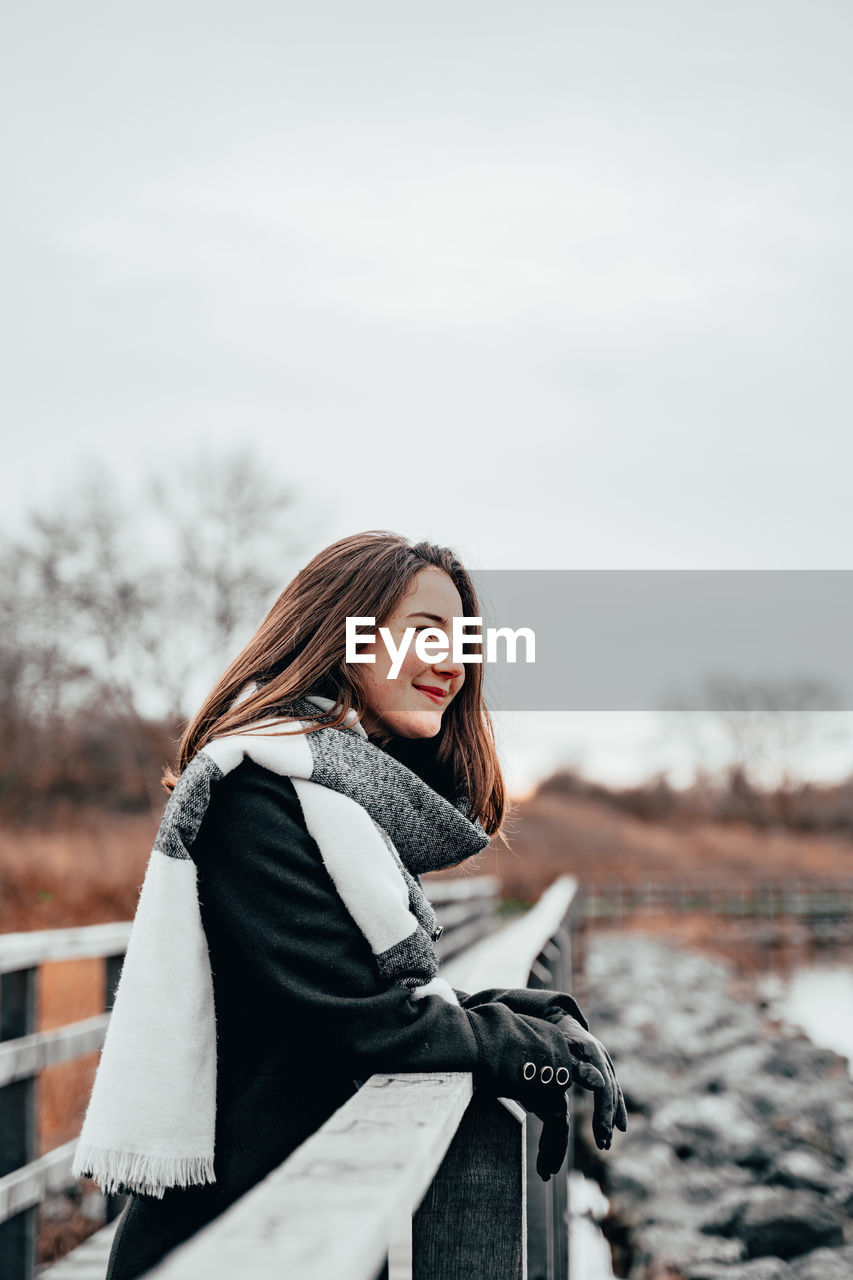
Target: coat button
{"points": [[563, 1075], [529, 1070], [546, 1075]]}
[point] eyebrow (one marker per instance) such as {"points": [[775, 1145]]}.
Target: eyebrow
{"points": [[434, 617]]}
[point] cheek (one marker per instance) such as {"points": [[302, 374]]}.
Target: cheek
{"points": [[376, 686], [412, 667]]}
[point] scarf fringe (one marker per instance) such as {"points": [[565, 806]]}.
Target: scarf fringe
{"points": [[119, 1171]]}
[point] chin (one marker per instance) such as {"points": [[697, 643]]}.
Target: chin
{"points": [[421, 725]]}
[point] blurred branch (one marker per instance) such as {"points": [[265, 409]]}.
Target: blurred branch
{"points": [[127, 607]]}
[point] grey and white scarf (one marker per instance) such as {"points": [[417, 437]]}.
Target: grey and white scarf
{"points": [[378, 826]]}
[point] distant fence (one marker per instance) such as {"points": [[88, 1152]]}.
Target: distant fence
{"points": [[414, 1148], [820, 906]]}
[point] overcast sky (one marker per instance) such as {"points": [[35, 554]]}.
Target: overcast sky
{"points": [[560, 285]]}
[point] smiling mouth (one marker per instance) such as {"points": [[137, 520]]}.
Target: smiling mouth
{"points": [[436, 695]]}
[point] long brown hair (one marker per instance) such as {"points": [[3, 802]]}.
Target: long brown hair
{"points": [[299, 648]]}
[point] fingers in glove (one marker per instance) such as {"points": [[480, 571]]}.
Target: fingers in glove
{"points": [[602, 1118], [620, 1114], [594, 1051], [553, 1144], [590, 1077]]}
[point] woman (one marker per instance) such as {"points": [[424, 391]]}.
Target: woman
{"points": [[311, 794]]}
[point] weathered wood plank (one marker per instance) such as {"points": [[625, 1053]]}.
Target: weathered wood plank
{"points": [[471, 1224], [450, 944], [505, 958], [535, 949], [458, 913], [28, 1186], [440, 891], [26, 1056], [332, 1207], [26, 950]]}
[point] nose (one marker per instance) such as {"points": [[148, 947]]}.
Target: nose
{"points": [[449, 669]]}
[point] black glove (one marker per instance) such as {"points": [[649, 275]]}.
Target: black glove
{"points": [[592, 1068]]}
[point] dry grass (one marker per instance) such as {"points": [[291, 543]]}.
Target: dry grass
{"points": [[551, 835], [87, 870]]}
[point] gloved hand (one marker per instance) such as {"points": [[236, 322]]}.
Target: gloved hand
{"points": [[592, 1068]]}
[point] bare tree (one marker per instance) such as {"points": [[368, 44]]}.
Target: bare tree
{"points": [[758, 734], [131, 604]]}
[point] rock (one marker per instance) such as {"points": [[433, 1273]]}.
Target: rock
{"points": [[678, 1249], [800, 1168], [683, 1197], [701, 1184], [639, 1169], [714, 1127], [56, 1208], [94, 1207], [733, 1070], [788, 1223], [825, 1264], [797, 1058], [842, 1197], [644, 1086], [723, 1215], [756, 1269], [843, 1140], [738, 1161]]}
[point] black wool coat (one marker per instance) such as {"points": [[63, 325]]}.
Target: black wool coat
{"points": [[302, 1014]]}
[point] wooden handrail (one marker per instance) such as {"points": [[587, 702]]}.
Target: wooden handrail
{"points": [[330, 1208], [28, 950], [506, 957]]}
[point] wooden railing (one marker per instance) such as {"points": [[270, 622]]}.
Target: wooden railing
{"points": [[25, 1179], [416, 1150]]}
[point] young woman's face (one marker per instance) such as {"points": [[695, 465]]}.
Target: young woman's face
{"points": [[411, 704]]}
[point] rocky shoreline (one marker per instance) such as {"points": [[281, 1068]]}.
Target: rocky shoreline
{"points": [[738, 1161]]}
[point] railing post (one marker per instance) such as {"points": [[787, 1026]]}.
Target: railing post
{"points": [[18, 1124], [471, 1224]]}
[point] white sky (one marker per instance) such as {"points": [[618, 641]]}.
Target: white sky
{"points": [[562, 286]]}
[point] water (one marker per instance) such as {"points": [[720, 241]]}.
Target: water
{"points": [[817, 998]]}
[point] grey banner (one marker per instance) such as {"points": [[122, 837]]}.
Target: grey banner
{"points": [[641, 640]]}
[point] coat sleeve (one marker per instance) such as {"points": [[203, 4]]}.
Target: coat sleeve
{"points": [[262, 877], [536, 1002]]}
